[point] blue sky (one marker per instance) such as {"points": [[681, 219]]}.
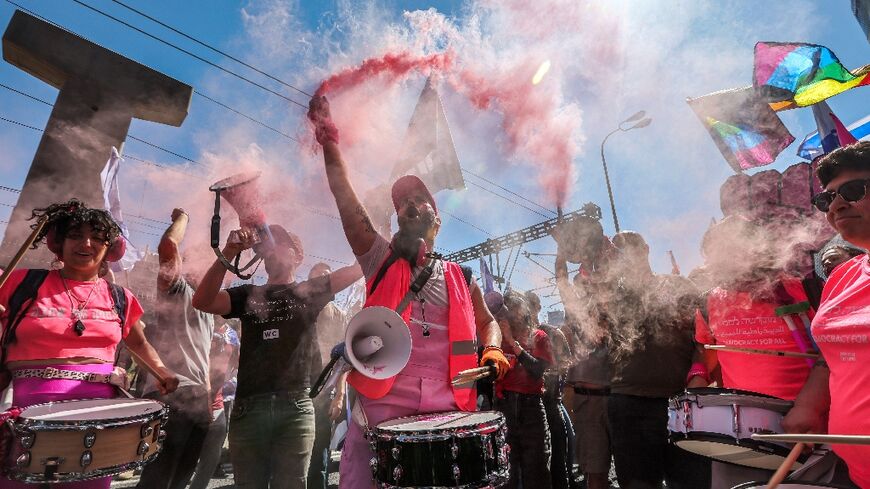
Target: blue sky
{"points": [[665, 177]]}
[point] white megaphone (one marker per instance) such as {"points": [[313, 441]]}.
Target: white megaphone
{"points": [[377, 344]]}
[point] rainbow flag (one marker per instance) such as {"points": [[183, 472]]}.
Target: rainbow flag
{"points": [[744, 127], [798, 75]]}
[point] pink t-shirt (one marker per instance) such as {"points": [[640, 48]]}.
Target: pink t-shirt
{"points": [[737, 320], [46, 331], [842, 330]]}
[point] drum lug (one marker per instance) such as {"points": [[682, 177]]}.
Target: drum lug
{"points": [[395, 452], [23, 460], [143, 448], [145, 431], [456, 472], [454, 450], [397, 473], [27, 440], [735, 421], [87, 458], [89, 439], [687, 415], [373, 464]]}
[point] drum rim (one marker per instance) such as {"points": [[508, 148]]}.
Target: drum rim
{"points": [[751, 484], [23, 423], [779, 450], [494, 423], [726, 390], [36, 478], [722, 397]]}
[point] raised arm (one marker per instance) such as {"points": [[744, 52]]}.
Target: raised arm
{"points": [[167, 251], [344, 277], [355, 219], [208, 296]]}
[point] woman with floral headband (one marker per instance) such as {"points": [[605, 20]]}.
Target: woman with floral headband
{"points": [[74, 323]]}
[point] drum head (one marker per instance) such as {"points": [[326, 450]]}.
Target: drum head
{"points": [[91, 409], [707, 396], [440, 421]]}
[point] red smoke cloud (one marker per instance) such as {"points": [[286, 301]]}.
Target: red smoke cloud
{"points": [[532, 120], [391, 66]]}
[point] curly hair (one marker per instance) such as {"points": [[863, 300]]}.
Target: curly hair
{"points": [[73, 214], [852, 157]]}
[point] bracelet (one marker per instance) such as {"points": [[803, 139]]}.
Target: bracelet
{"points": [[490, 348], [698, 370]]}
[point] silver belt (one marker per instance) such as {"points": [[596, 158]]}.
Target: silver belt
{"points": [[55, 373]]}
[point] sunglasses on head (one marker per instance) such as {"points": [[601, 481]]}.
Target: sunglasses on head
{"points": [[851, 191]]}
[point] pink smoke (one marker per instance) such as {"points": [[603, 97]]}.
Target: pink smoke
{"points": [[391, 66]]}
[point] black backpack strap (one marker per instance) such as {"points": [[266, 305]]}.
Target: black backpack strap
{"points": [[19, 301], [813, 286], [391, 258], [467, 273], [119, 300]]}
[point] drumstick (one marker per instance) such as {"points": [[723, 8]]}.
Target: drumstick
{"points": [[147, 367], [785, 467], [471, 375], [815, 438], [21, 251], [761, 352]]}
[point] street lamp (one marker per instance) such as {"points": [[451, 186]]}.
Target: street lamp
{"points": [[642, 121]]}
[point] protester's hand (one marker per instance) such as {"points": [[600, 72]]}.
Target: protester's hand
{"points": [[318, 110], [802, 419], [168, 383], [119, 378], [2, 309], [335, 406], [239, 241], [320, 115], [177, 212], [494, 357]]}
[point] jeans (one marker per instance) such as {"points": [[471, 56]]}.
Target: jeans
{"points": [[185, 434], [319, 460], [211, 452], [529, 439], [561, 436], [641, 452], [271, 438]]}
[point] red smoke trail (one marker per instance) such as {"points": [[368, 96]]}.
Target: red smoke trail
{"points": [[391, 66], [535, 126]]}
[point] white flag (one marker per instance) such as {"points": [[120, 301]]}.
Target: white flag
{"points": [[112, 203]]}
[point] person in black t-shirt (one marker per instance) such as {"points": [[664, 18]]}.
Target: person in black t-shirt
{"points": [[272, 423]]}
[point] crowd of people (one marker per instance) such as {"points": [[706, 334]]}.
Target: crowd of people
{"points": [[596, 392]]}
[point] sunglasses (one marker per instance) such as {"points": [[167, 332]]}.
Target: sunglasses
{"points": [[851, 191]]}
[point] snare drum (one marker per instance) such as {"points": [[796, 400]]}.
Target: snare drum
{"points": [[84, 439], [452, 449], [719, 423]]}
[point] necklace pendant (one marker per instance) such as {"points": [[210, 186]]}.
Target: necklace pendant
{"points": [[79, 327], [425, 330]]}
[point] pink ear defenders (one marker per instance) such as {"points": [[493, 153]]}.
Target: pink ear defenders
{"points": [[115, 252]]}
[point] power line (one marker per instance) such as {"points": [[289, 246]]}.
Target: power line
{"points": [[208, 46], [507, 190], [200, 58], [227, 107], [463, 221], [509, 200]]}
